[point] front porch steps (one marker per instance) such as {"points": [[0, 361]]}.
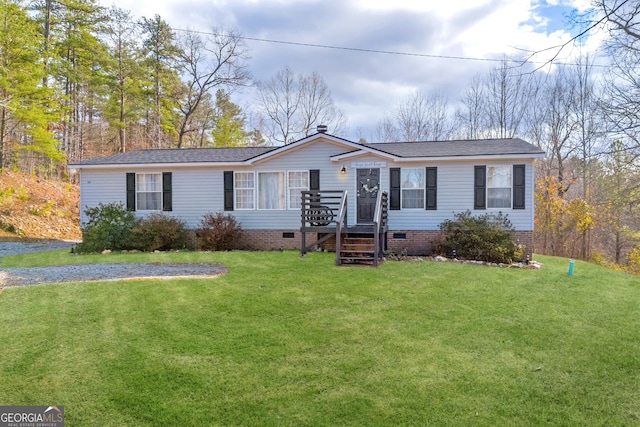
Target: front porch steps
{"points": [[358, 248], [324, 213]]}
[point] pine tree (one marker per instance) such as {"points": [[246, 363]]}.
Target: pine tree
{"points": [[229, 124], [159, 60], [124, 75], [25, 104]]}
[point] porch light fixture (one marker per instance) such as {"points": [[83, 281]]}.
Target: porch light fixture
{"points": [[343, 170]]}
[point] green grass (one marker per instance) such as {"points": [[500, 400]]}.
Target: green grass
{"points": [[284, 340]]}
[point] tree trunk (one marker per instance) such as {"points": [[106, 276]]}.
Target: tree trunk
{"points": [[2, 140]]}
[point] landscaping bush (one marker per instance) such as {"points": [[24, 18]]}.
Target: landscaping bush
{"points": [[109, 227], [159, 232], [483, 238], [219, 232]]}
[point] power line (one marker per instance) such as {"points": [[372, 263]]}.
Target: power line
{"points": [[385, 52]]}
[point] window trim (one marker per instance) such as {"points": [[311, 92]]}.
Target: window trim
{"points": [[284, 189], [159, 192], [424, 188], [508, 167], [236, 188], [289, 188]]}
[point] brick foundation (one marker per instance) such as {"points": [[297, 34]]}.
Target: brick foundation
{"points": [[406, 242], [411, 242], [270, 240], [526, 238]]}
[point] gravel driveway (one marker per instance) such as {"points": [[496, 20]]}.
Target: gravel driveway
{"points": [[80, 273]]}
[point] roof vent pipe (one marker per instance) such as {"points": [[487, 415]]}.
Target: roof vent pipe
{"points": [[322, 128]]}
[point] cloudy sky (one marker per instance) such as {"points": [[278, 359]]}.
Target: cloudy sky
{"points": [[427, 35]]}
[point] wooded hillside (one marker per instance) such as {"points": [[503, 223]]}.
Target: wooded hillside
{"points": [[37, 208]]}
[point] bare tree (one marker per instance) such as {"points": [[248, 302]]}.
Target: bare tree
{"points": [[555, 124], [587, 115], [621, 104], [280, 101], [470, 118], [588, 122], [294, 105], [207, 63], [421, 117], [563, 120], [506, 95], [317, 106], [620, 20], [386, 130]]}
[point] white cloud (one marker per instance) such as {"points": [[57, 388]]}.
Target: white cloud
{"points": [[367, 85]]}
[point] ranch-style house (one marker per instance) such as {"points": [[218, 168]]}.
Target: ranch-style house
{"points": [[326, 191]]}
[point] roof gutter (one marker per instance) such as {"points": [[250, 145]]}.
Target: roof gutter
{"points": [[397, 159], [157, 165]]}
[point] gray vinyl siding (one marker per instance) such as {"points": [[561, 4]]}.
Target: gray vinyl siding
{"points": [[101, 187], [197, 191], [194, 191], [455, 194], [315, 156], [200, 190]]}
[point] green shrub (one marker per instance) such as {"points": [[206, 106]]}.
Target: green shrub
{"points": [[7, 194], [109, 227], [9, 228], [43, 210], [23, 194], [219, 232], [483, 238], [634, 261], [159, 232]]}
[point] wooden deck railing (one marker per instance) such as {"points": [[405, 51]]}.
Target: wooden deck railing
{"points": [[380, 219], [321, 211], [341, 223], [319, 208]]}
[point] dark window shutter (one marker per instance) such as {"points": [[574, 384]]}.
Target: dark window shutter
{"points": [[131, 191], [432, 188], [394, 189], [314, 180], [518, 186], [167, 197], [480, 188], [228, 190]]}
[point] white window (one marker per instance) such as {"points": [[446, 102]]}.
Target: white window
{"points": [[412, 185], [149, 191], [271, 192], [245, 190], [499, 186], [297, 183]]}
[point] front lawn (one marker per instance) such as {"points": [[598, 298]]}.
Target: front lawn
{"points": [[285, 340]]}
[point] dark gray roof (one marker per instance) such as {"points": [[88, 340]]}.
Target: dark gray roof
{"points": [[187, 155], [479, 147]]}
